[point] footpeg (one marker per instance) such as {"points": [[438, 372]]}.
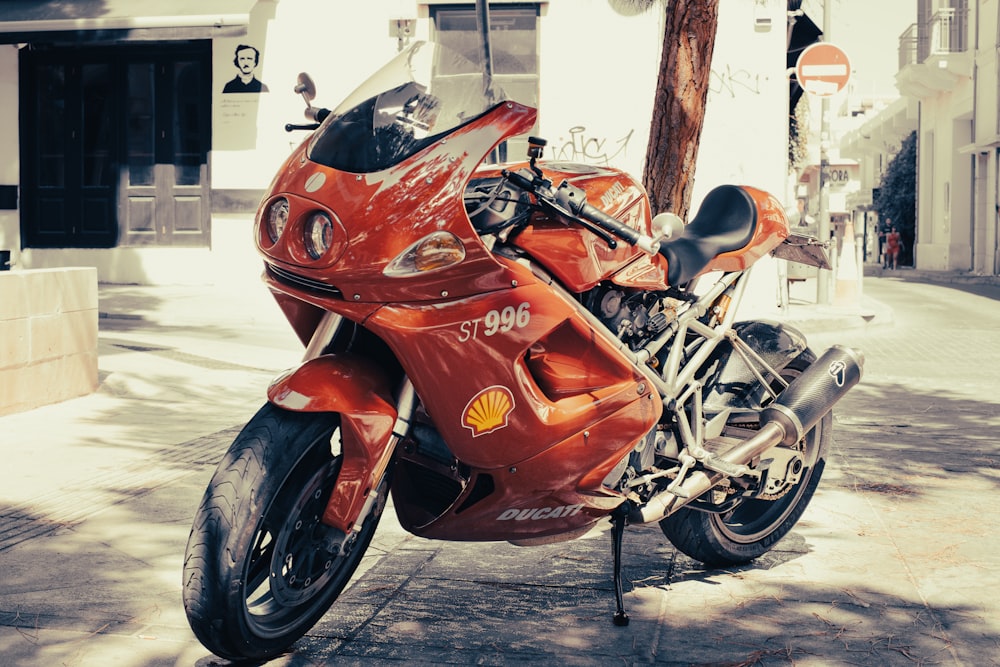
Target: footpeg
{"points": [[713, 462]]}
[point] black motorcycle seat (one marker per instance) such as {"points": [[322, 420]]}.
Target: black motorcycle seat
{"points": [[725, 222]]}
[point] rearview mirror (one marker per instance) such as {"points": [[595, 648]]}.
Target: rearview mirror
{"points": [[305, 87]]}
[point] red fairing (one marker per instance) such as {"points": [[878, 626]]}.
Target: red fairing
{"points": [[379, 215]]}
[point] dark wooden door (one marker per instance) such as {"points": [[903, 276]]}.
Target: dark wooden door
{"points": [[164, 182], [69, 172], [114, 146]]}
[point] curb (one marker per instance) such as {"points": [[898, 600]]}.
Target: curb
{"points": [[939, 277]]}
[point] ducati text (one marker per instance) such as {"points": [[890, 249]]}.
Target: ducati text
{"points": [[538, 513]]}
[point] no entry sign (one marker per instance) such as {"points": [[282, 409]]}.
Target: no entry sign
{"points": [[823, 69]]}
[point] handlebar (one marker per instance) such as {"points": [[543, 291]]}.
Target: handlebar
{"points": [[574, 199], [571, 201], [313, 113]]}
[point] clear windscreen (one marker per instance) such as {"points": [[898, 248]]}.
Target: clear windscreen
{"points": [[422, 94]]}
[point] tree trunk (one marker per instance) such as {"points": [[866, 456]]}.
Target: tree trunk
{"points": [[679, 107]]}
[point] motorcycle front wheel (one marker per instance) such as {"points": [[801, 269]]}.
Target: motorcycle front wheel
{"points": [[260, 567], [753, 527]]}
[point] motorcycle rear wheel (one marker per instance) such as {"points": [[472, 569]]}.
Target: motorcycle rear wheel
{"points": [[753, 527], [260, 568]]}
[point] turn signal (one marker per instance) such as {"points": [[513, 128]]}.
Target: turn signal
{"points": [[433, 252]]}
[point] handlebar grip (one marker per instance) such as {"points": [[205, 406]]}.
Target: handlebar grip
{"points": [[575, 200], [317, 114], [611, 224], [572, 199]]}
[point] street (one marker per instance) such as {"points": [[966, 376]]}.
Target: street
{"points": [[894, 563]]}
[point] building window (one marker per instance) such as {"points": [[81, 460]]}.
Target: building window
{"points": [[514, 48]]}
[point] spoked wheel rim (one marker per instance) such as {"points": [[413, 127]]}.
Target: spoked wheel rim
{"points": [[295, 557], [754, 519], [260, 567]]}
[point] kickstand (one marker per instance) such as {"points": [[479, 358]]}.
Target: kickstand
{"points": [[618, 520]]}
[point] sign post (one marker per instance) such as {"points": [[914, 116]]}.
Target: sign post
{"points": [[823, 70]]}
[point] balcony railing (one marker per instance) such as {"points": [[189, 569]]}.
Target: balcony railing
{"points": [[947, 31], [908, 51]]}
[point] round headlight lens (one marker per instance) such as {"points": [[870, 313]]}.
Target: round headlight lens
{"points": [[276, 218], [318, 234]]}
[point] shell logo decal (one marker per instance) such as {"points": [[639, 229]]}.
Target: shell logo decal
{"points": [[488, 410]]}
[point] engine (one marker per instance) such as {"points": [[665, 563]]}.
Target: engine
{"points": [[633, 316]]}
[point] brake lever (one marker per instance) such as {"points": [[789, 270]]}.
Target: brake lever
{"points": [[597, 231]]}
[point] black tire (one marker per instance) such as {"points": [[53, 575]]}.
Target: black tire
{"points": [[754, 526], [258, 570]]}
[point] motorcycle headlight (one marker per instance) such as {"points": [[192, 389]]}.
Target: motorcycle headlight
{"points": [[276, 218], [318, 234]]}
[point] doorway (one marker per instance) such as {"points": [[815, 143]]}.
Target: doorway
{"points": [[114, 146]]}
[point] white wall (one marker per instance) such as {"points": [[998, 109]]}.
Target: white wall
{"points": [[337, 43], [598, 73], [986, 72], [598, 79], [944, 181], [745, 138]]}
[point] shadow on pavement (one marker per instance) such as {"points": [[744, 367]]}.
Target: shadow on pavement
{"points": [[927, 436], [103, 586]]}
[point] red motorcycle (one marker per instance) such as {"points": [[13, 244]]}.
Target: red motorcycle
{"points": [[506, 359]]}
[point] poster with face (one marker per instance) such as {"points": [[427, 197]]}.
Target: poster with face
{"points": [[236, 92], [246, 58]]}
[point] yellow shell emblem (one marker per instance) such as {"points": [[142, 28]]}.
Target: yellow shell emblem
{"points": [[488, 410]]}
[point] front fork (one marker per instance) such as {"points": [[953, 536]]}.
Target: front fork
{"points": [[404, 410], [373, 418]]}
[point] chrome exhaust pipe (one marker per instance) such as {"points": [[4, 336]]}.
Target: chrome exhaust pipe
{"points": [[796, 411]]}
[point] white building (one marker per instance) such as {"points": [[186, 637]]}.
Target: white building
{"points": [[874, 144], [121, 147], [949, 76]]}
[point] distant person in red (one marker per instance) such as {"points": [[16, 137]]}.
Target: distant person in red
{"points": [[893, 245], [246, 61]]}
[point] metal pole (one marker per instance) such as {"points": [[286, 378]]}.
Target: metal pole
{"points": [[824, 276], [486, 50], [498, 154]]}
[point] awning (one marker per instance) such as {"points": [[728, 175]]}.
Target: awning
{"points": [[44, 20], [802, 33]]}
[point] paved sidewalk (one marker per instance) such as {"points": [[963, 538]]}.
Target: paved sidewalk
{"points": [[98, 494]]}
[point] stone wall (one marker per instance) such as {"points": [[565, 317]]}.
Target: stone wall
{"points": [[48, 336]]}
